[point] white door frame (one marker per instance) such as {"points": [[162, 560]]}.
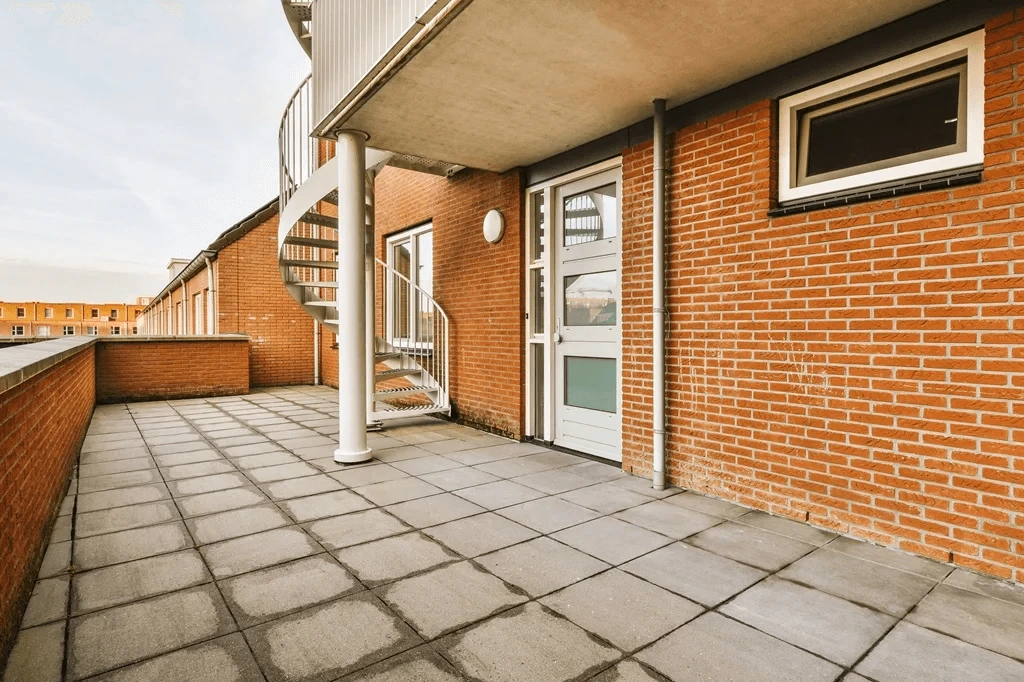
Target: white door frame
{"points": [[540, 348], [410, 235]]}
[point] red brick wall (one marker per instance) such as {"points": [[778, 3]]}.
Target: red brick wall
{"points": [[476, 283], [152, 370], [42, 424], [252, 300], [861, 368]]}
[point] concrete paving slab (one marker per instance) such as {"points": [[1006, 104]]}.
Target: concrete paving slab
{"points": [[708, 505], [605, 498], [787, 527], [400, 490], [183, 471], [910, 652], [599, 471], [125, 518], [985, 621], [326, 642], [713, 647], [480, 534], [862, 582], [491, 453], [628, 671], [541, 566], [109, 639], [390, 559], [622, 609], [359, 476], [527, 644], [235, 523], [136, 580], [611, 540], [335, 503], [61, 529], [273, 592], [499, 494], [448, 598], [301, 487], [548, 514], [826, 625], [458, 478], [207, 484], [891, 557], [56, 560], [220, 501], [752, 546], [417, 665], [445, 447], [516, 466], [114, 455], [220, 660], [644, 486], [399, 452], [987, 586], [434, 510], [698, 575], [49, 602], [425, 465], [281, 472], [668, 519], [173, 439], [128, 545], [233, 441], [178, 448], [38, 655], [259, 550], [554, 481], [113, 481], [182, 458], [122, 497], [268, 459], [250, 449], [339, 532], [120, 466]]}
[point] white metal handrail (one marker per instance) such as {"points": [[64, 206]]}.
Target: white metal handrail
{"points": [[297, 150], [427, 327]]}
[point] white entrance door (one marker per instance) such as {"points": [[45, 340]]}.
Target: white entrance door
{"points": [[587, 336]]}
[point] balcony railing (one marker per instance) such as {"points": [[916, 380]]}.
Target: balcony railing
{"points": [[298, 151]]}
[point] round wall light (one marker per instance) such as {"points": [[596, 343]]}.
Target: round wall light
{"points": [[494, 226]]}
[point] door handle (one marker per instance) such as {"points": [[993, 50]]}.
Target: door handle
{"points": [[558, 330]]}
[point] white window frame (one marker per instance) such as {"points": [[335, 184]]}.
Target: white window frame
{"points": [[970, 46], [43, 330], [200, 314], [69, 330], [20, 313], [392, 241], [115, 331], [18, 330], [92, 331], [48, 313], [69, 313]]}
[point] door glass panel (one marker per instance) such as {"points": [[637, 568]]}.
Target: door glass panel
{"points": [[591, 383], [402, 263], [537, 301], [537, 238], [591, 216], [590, 300], [425, 279]]}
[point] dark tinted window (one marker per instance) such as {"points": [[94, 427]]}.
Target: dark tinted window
{"points": [[908, 122]]}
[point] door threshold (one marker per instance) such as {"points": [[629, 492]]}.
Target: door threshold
{"points": [[577, 453]]}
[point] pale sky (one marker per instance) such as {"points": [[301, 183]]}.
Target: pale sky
{"points": [[131, 132]]}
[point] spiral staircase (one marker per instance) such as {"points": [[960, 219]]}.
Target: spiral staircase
{"points": [[409, 340]]}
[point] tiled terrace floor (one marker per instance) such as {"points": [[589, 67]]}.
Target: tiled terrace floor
{"points": [[217, 540]]}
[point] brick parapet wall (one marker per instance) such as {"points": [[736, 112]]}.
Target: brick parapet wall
{"points": [[43, 421], [860, 368], [164, 368]]}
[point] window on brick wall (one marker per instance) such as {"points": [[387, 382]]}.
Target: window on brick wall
{"points": [[92, 331], [42, 331], [17, 330], [20, 312], [113, 313], [912, 118], [48, 313], [94, 313], [135, 331], [69, 313], [69, 330], [115, 331], [411, 255]]}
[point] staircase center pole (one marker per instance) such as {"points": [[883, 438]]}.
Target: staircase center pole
{"points": [[351, 154]]}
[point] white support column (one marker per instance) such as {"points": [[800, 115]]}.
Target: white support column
{"points": [[371, 302], [351, 155]]}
